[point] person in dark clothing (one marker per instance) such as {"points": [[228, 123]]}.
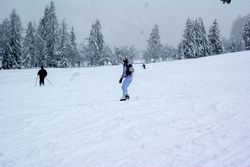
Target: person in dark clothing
{"points": [[42, 74], [226, 1], [143, 66]]}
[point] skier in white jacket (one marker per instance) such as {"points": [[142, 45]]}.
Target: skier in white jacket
{"points": [[127, 75]]}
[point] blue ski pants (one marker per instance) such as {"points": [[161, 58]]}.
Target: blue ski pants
{"points": [[125, 84]]}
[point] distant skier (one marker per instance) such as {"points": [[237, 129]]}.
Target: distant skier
{"points": [[226, 1], [42, 74], [143, 66], [128, 77]]}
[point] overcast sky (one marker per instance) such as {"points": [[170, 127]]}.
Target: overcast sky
{"points": [[129, 22]]}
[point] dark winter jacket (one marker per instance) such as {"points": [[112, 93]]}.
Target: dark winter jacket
{"points": [[127, 70], [42, 73]]}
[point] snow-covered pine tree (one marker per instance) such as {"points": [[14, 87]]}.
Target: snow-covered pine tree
{"points": [[168, 53], [84, 55], [28, 51], [180, 51], [146, 56], [132, 53], [52, 36], [188, 42], [246, 34], [215, 39], [236, 41], [15, 39], [95, 44], [201, 40], [48, 38], [74, 54], [64, 46], [153, 51], [227, 45], [108, 55], [41, 39], [5, 49]]}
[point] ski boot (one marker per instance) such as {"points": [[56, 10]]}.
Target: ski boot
{"points": [[124, 98]]}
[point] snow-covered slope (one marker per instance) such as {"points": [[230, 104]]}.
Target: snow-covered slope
{"points": [[181, 113]]}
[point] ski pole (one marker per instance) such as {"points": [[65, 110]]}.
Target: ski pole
{"points": [[48, 81], [36, 80]]}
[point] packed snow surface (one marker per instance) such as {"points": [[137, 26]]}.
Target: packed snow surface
{"points": [[186, 113]]}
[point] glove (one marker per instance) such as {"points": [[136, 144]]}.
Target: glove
{"points": [[120, 81]]}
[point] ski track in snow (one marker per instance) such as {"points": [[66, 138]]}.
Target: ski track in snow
{"points": [[181, 113]]}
